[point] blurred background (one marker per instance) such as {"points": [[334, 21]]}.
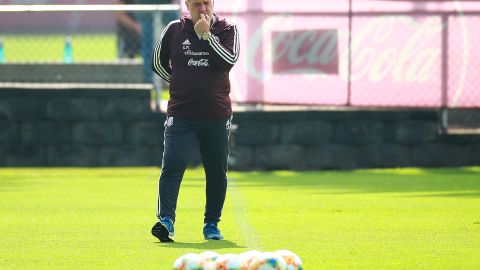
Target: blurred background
{"points": [[301, 56], [339, 53]]}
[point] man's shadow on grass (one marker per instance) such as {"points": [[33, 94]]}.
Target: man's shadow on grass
{"points": [[208, 245]]}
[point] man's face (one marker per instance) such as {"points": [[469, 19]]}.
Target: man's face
{"points": [[197, 7]]}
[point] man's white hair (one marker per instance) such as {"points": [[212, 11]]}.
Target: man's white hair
{"points": [[213, 1]]}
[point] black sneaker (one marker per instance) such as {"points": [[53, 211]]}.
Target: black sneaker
{"points": [[211, 232], [163, 230]]}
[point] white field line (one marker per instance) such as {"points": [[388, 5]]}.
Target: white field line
{"points": [[240, 209]]}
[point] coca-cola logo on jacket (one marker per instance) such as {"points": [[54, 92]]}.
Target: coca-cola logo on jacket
{"points": [[198, 63], [308, 51]]}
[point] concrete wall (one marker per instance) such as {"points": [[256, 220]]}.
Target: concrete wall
{"points": [[347, 140], [79, 127], [108, 127], [127, 71]]}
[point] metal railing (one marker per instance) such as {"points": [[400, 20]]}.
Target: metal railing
{"points": [[61, 52]]}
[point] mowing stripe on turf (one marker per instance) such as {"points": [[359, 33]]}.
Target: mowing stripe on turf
{"points": [[240, 210]]}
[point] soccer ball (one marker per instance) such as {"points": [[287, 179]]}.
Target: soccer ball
{"points": [[291, 259], [209, 265], [189, 261], [268, 261], [209, 255], [247, 257], [228, 262]]}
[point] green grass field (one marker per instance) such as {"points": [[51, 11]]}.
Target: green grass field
{"points": [[49, 47], [367, 219]]}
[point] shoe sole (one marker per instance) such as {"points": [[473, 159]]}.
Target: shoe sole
{"points": [[162, 234], [213, 238]]}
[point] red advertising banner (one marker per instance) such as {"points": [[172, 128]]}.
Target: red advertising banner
{"points": [[312, 51]]}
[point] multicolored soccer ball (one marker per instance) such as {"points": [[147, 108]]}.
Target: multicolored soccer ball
{"points": [[189, 261], [209, 265], [247, 257], [228, 262], [291, 259], [209, 255], [250, 260], [268, 261]]}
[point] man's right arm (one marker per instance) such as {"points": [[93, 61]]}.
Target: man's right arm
{"points": [[123, 19], [161, 55]]}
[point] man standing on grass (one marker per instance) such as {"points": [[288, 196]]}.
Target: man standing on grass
{"points": [[195, 55]]}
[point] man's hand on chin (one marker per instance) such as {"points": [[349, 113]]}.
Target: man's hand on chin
{"points": [[202, 25]]}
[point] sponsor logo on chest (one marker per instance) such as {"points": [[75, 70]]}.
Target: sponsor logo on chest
{"points": [[188, 51], [198, 63], [186, 44]]}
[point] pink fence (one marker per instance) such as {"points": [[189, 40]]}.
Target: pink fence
{"points": [[38, 22], [403, 53], [381, 54]]}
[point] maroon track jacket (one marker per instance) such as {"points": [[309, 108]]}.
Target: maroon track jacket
{"points": [[197, 69]]}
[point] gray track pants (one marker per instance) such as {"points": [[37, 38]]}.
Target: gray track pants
{"points": [[181, 136]]}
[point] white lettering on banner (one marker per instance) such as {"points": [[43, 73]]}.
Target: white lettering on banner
{"points": [[413, 61], [256, 42], [198, 63], [305, 51]]}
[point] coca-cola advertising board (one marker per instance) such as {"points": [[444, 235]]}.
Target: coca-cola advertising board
{"points": [[396, 61], [308, 51], [417, 58], [382, 53]]}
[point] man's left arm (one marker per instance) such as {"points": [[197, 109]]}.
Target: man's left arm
{"points": [[225, 52]]}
